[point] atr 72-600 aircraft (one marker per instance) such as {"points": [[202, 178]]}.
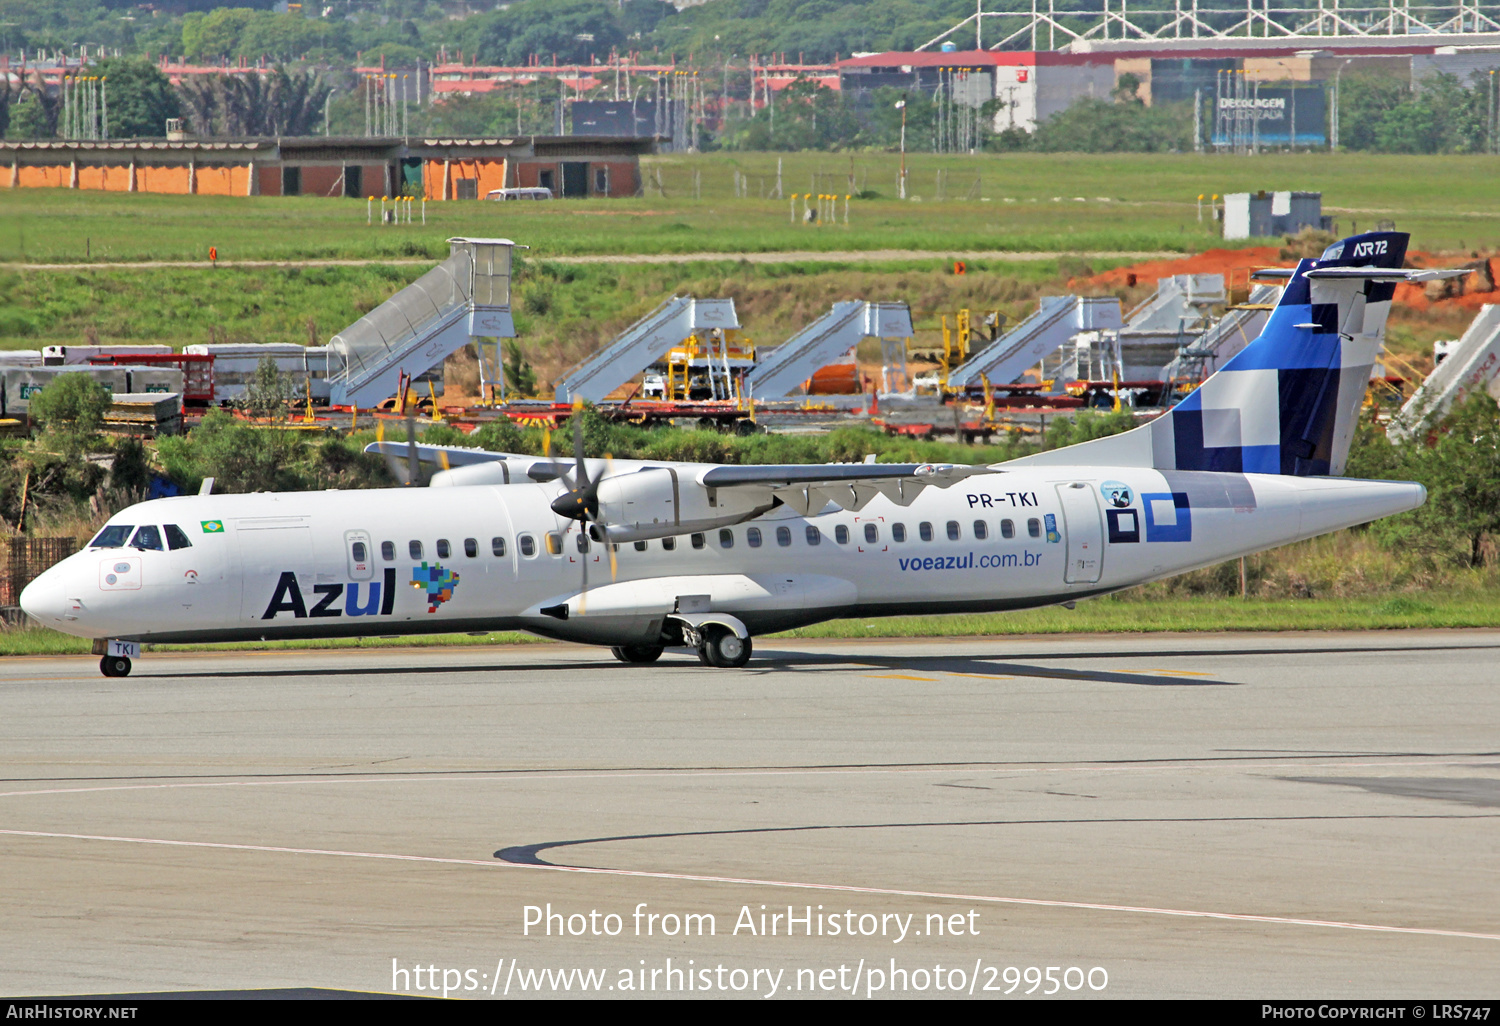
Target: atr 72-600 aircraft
{"points": [[643, 555]]}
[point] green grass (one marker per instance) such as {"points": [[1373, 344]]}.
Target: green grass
{"points": [[1130, 202], [562, 311], [1104, 616]]}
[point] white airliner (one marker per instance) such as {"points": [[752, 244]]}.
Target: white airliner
{"points": [[644, 555]]}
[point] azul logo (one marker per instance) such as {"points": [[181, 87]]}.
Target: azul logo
{"points": [[379, 598], [1169, 518], [436, 582]]}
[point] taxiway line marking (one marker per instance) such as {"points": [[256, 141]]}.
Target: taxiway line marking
{"points": [[501, 776], [1089, 906], [896, 676]]}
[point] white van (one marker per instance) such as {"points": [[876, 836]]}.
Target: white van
{"points": [[530, 193]]}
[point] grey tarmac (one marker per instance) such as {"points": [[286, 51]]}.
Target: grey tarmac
{"points": [[1308, 815]]}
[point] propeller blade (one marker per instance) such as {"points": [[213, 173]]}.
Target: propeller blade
{"points": [[394, 463], [578, 461], [412, 469]]}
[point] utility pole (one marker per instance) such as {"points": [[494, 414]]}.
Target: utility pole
{"points": [[902, 181]]}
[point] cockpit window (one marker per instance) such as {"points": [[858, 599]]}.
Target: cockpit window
{"points": [[176, 539], [147, 537], [112, 537]]}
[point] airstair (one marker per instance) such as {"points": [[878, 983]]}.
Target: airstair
{"points": [[1057, 319], [643, 343], [827, 339], [1473, 365], [466, 296], [1199, 357]]}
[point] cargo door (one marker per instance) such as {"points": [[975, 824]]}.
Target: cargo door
{"points": [[1083, 525]]}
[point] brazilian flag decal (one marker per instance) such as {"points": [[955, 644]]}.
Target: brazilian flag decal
{"points": [[213, 526]]}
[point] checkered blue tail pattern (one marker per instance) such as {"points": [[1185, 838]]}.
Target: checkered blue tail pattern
{"points": [[1288, 402]]}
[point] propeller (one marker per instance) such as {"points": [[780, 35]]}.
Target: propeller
{"points": [[580, 503]]}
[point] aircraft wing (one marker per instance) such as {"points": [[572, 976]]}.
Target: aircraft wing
{"points": [[808, 488], [438, 455]]}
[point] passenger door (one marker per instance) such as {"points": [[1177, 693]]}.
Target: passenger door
{"points": [[1084, 528]]}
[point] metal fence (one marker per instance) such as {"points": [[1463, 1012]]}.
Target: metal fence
{"points": [[24, 559]]}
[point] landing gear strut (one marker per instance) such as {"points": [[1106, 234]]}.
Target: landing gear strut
{"points": [[637, 653], [115, 666]]}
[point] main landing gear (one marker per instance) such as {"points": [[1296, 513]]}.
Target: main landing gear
{"points": [[720, 646], [716, 644], [638, 654], [115, 666]]}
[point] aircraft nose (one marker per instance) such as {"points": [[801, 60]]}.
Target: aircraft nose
{"points": [[43, 599]]}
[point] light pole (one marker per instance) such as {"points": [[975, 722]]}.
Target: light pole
{"points": [[326, 101], [1334, 142], [902, 107]]}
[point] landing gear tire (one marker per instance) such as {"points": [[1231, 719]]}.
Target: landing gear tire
{"points": [[724, 648], [637, 654], [115, 666]]}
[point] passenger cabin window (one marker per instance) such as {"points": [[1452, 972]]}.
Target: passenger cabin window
{"points": [[872, 533], [527, 545], [581, 542], [783, 536], [471, 547], [752, 537], [924, 531], [388, 551], [1034, 527], [443, 550], [697, 540], [358, 550], [414, 548], [898, 532], [1007, 529], [981, 530], [814, 536], [668, 544], [112, 537], [640, 546], [954, 532], [176, 539], [726, 538], [147, 537], [554, 543], [841, 534], [497, 546]]}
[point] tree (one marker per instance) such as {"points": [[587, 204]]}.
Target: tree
{"points": [[574, 30], [216, 34], [269, 392], [277, 103], [1459, 465], [141, 98], [71, 410]]}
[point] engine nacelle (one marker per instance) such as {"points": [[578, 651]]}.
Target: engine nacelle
{"points": [[661, 501]]}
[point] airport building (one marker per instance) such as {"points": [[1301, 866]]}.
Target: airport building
{"points": [[434, 169]]}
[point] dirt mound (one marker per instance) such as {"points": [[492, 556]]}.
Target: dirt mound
{"points": [[1480, 286], [1233, 264]]}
